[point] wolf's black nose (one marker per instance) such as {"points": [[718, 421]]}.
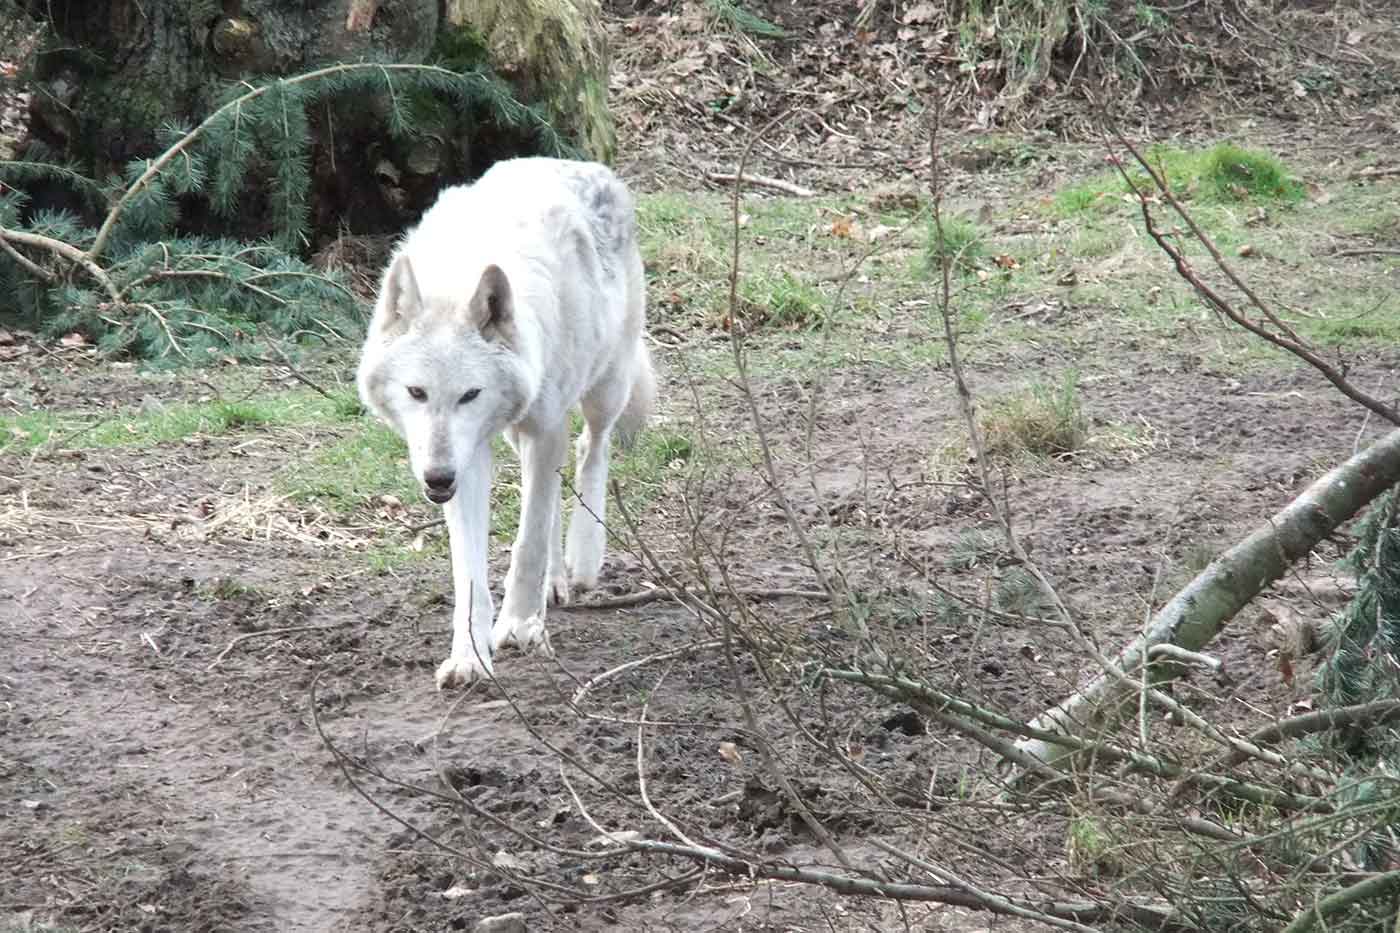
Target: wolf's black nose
{"points": [[439, 480]]}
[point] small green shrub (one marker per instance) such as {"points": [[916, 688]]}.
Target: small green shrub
{"points": [[782, 301], [960, 244], [1229, 173]]}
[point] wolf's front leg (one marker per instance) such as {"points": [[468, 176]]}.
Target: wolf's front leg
{"points": [[468, 517], [522, 612]]}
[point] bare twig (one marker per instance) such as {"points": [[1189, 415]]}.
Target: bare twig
{"points": [[642, 597], [763, 181], [1283, 337], [265, 633], [582, 692]]}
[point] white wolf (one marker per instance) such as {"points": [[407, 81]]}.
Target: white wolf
{"points": [[515, 299]]}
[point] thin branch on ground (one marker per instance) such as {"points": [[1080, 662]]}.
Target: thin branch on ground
{"points": [[762, 181], [266, 633]]}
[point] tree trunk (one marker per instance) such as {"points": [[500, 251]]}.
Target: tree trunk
{"points": [[1200, 611], [120, 70]]}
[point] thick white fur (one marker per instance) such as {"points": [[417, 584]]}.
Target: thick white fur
{"points": [[516, 299]]}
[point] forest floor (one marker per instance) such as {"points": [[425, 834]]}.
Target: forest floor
{"points": [[185, 555]]}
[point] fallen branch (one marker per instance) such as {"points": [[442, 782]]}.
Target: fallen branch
{"points": [[1374, 251], [1201, 610], [1151, 918], [642, 597], [763, 181], [592, 682], [1316, 916], [265, 633], [68, 252]]}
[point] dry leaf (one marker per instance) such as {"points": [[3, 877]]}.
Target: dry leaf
{"points": [[730, 752], [1008, 263], [74, 339], [843, 227], [920, 13], [418, 543], [457, 891]]}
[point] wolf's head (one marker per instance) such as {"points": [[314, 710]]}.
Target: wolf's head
{"points": [[443, 371]]}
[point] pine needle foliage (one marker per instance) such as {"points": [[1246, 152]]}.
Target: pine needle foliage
{"points": [[1363, 666], [741, 19], [1365, 658], [137, 286]]}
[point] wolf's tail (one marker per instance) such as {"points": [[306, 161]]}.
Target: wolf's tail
{"points": [[641, 399]]}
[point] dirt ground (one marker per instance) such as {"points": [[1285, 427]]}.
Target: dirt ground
{"points": [[162, 765]]}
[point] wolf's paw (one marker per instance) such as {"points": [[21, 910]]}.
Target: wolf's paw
{"points": [[462, 672], [557, 591], [582, 581], [527, 634]]}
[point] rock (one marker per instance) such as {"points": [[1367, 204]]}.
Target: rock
{"points": [[502, 923]]}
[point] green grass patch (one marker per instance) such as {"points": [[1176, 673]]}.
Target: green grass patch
{"points": [[1355, 314], [220, 589], [1043, 421], [1222, 174], [1088, 847], [787, 247], [781, 300], [368, 462], [166, 424], [961, 243], [1095, 242]]}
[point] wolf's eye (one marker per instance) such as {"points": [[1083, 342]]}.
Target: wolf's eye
{"points": [[468, 395], [417, 394]]}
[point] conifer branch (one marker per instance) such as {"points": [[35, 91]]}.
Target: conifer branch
{"points": [[33, 268], [155, 166], [66, 251]]}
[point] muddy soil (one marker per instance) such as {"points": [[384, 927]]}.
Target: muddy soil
{"points": [[163, 767], [221, 717]]}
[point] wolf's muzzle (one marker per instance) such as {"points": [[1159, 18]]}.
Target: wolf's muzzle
{"points": [[439, 487]]}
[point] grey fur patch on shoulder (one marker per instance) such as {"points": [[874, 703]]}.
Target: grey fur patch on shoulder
{"points": [[607, 203]]}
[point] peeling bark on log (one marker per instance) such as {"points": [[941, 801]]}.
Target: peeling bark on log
{"points": [[1201, 610]]}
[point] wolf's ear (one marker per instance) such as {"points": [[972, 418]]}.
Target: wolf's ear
{"points": [[399, 299], [492, 308]]}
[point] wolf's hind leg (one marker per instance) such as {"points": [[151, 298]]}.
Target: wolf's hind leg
{"points": [[557, 579], [587, 529]]}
